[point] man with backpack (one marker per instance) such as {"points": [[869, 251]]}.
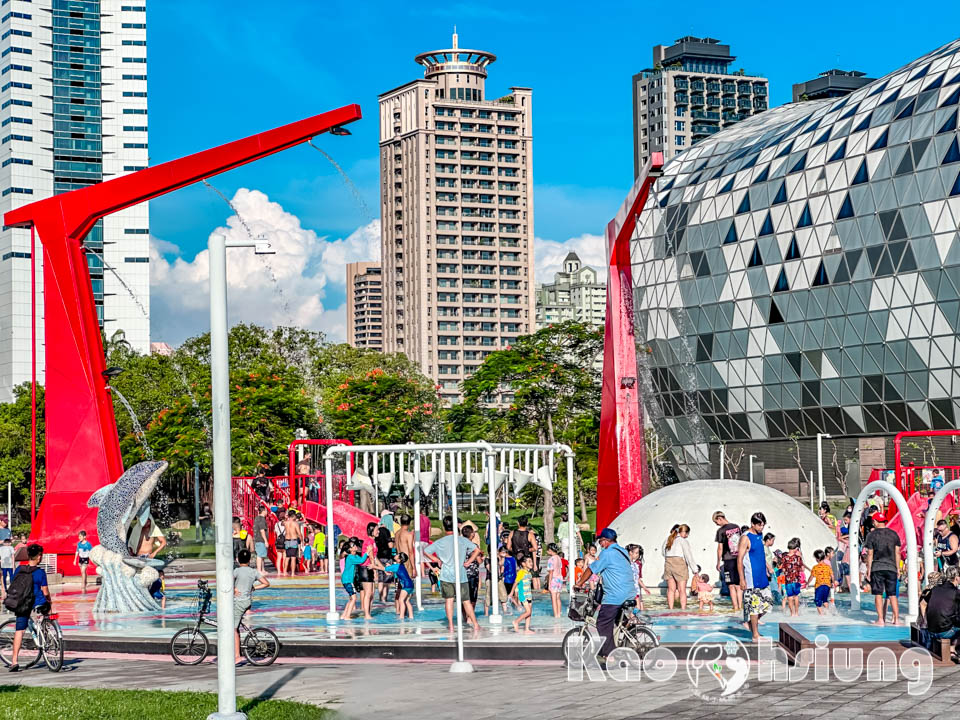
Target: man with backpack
{"points": [[28, 591]]}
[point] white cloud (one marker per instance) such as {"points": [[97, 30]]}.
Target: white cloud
{"points": [[549, 255], [291, 287]]}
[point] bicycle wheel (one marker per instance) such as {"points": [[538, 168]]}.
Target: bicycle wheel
{"points": [[52, 645], [641, 638], [261, 646], [29, 652], [574, 636], [189, 646]]}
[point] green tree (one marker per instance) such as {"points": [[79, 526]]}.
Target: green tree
{"points": [[551, 377], [15, 442], [383, 408], [336, 364]]}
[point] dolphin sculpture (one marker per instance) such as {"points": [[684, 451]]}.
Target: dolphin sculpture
{"points": [[125, 578]]}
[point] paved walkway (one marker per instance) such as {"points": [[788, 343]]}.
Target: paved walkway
{"points": [[362, 690]]}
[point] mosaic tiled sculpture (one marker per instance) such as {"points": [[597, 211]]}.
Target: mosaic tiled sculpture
{"points": [[125, 578], [799, 272]]}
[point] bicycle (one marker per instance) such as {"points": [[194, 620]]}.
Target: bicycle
{"points": [[631, 629], [41, 640], [190, 646]]}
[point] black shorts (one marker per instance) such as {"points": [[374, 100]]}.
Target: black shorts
{"points": [[83, 561], [883, 581], [731, 573], [363, 575], [292, 552]]}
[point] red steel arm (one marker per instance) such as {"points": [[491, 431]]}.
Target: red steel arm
{"points": [[622, 473], [83, 451]]}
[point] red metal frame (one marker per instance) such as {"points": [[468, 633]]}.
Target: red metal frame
{"points": [[82, 448], [622, 473], [292, 452]]}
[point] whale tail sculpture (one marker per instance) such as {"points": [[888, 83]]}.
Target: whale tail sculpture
{"points": [[126, 578]]}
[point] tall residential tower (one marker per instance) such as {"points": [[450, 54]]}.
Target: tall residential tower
{"points": [[73, 112], [365, 305], [456, 198], [690, 93]]}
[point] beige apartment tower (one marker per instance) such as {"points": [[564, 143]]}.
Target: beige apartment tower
{"points": [[456, 197], [364, 305]]}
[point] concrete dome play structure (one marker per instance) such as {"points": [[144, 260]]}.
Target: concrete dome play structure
{"points": [[648, 521]]}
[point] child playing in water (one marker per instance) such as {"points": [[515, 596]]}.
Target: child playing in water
{"points": [[158, 590], [351, 560], [404, 586], [779, 581], [523, 590], [554, 577], [793, 567], [822, 575], [636, 565], [578, 567], [704, 592]]}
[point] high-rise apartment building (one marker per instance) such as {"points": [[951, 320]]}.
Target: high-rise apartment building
{"points": [[365, 305], [690, 93], [575, 294], [73, 112], [830, 84], [456, 200]]}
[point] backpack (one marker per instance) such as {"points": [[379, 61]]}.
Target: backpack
{"points": [[20, 597]]}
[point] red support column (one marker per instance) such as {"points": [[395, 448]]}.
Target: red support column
{"points": [[622, 473], [82, 447]]}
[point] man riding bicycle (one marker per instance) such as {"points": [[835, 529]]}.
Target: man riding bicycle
{"points": [[28, 592], [616, 575]]}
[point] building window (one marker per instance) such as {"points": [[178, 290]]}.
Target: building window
{"points": [[134, 111], [134, 77], [678, 140], [678, 125], [136, 231], [680, 111], [136, 260], [19, 191]]}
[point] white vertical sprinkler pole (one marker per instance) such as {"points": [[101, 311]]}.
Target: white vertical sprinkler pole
{"points": [[509, 483], [222, 490], [416, 530], [811, 491], [503, 469], [723, 451], [570, 522], [332, 615], [489, 467], [820, 437], [461, 665]]}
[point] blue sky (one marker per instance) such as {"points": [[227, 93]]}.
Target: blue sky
{"points": [[220, 71]]}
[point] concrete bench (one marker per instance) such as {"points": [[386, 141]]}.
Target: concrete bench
{"points": [[940, 649]]}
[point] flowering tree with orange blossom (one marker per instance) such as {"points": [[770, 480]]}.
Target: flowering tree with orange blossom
{"points": [[383, 408]]}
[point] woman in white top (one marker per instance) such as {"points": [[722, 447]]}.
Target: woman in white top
{"points": [[677, 565]]}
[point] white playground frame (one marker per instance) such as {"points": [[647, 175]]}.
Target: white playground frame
{"points": [[449, 463], [910, 531], [928, 525]]}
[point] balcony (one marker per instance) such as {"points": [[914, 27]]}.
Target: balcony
{"points": [[681, 84], [713, 101], [729, 102], [681, 98], [760, 90], [729, 87], [705, 129], [696, 99], [732, 116], [744, 103], [697, 85], [705, 115], [713, 87]]}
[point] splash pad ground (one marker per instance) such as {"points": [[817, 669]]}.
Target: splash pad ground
{"points": [[295, 609]]}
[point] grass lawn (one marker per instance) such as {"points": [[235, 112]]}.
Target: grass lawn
{"points": [[19, 702]]}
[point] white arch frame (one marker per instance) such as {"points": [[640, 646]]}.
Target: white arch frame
{"points": [[910, 531], [928, 525]]}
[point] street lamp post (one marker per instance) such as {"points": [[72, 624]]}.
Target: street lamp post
{"points": [[751, 467], [723, 455], [222, 502], [820, 437]]}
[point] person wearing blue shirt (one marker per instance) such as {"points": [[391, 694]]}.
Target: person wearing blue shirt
{"points": [[613, 568], [41, 599], [81, 558]]}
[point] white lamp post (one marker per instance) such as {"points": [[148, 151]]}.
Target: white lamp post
{"points": [[820, 437], [723, 455], [223, 506], [751, 467]]}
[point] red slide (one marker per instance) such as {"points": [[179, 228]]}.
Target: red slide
{"points": [[918, 509], [351, 520]]}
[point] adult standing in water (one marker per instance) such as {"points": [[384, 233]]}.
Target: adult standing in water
{"points": [[678, 563], [754, 579], [728, 543]]}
